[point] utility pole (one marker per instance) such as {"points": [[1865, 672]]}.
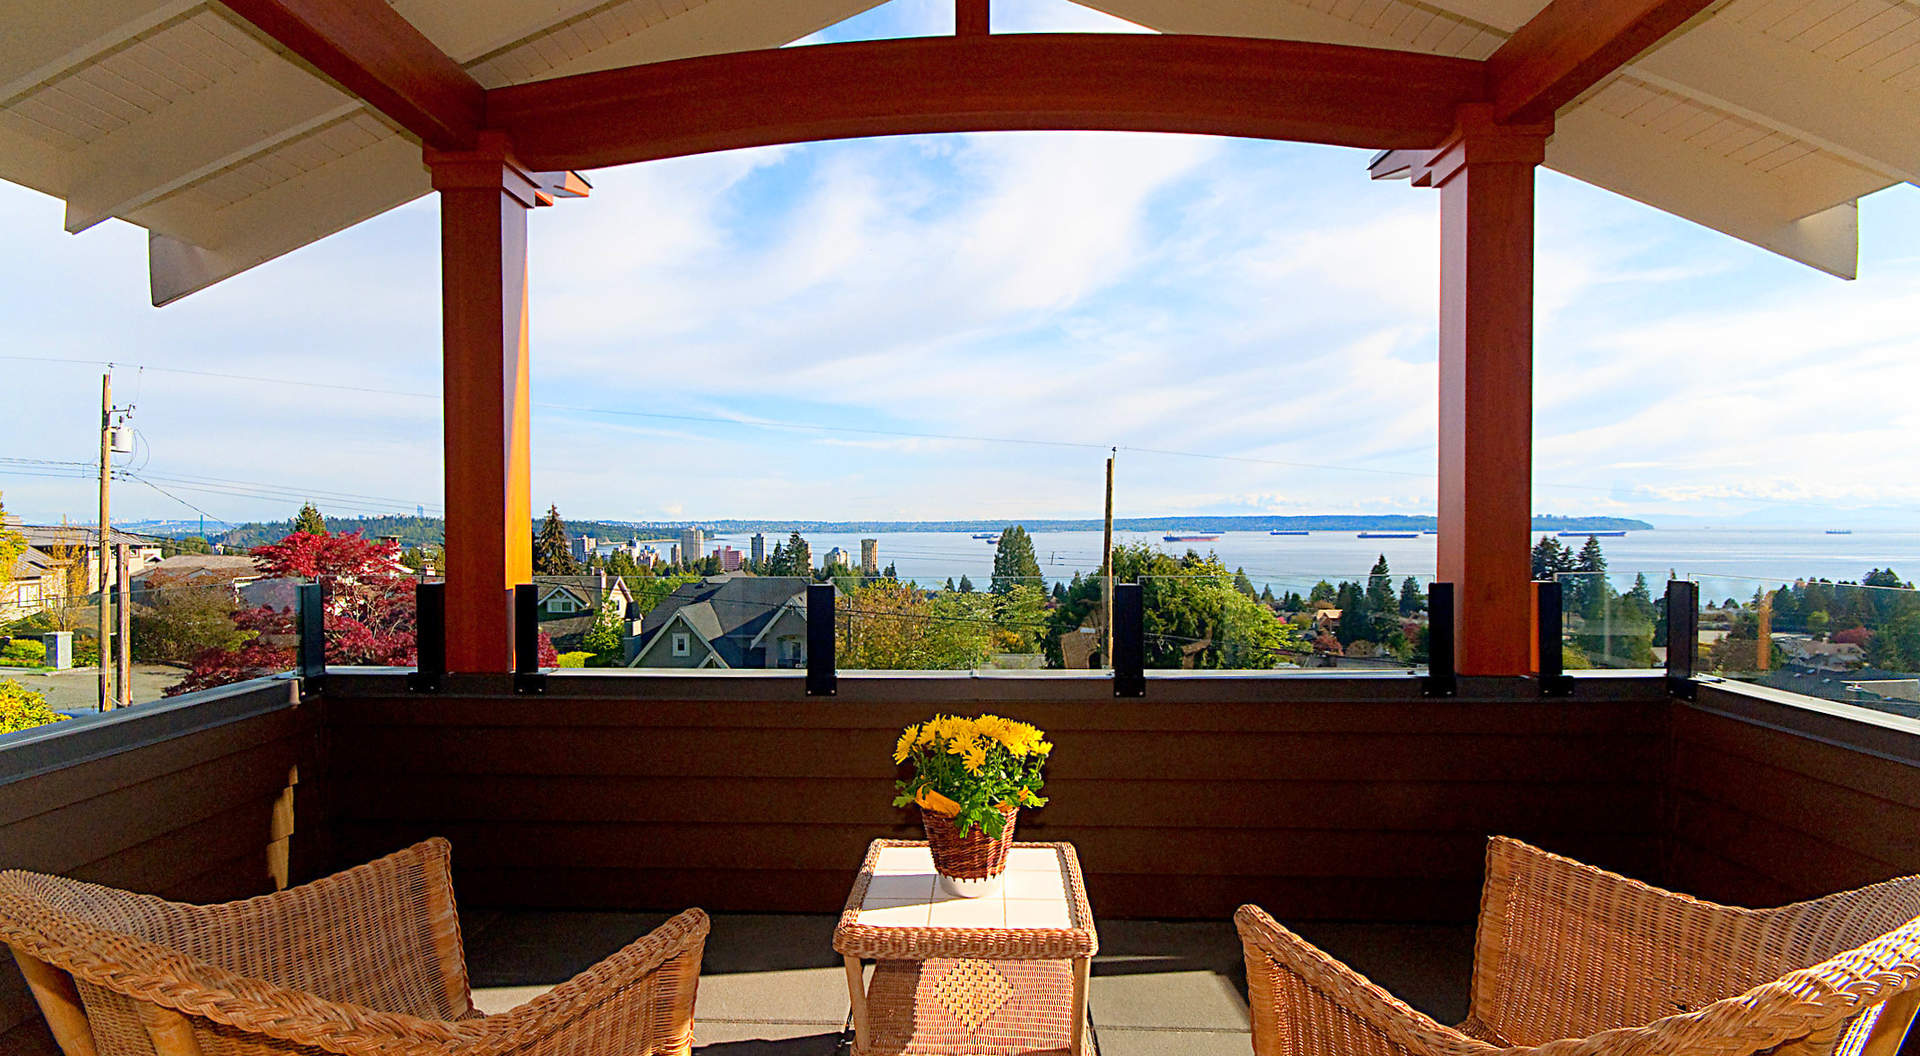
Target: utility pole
{"points": [[1107, 560], [123, 651], [104, 625]]}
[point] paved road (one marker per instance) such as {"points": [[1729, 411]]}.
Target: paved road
{"points": [[78, 689]]}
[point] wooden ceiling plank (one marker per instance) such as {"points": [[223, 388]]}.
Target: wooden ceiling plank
{"points": [[232, 120], [73, 34], [373, 52]]}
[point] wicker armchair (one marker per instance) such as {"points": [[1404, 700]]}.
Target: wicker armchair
{"points": [[1576, 961], [367, 961]]}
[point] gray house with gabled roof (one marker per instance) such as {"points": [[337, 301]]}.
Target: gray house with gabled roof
{"points": [[726, 621]]}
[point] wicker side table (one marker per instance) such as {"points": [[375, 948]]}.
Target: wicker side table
{"points": [[1004, 975]]}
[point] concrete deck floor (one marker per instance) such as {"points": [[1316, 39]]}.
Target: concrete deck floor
{"points": [[771, 985]]}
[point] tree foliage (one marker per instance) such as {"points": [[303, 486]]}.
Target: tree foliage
{"points": [[12, 545], [1014, 561], [892, 626], [175, 620], [22, 708], [552, 553], [309, 521], [1193, 614]]}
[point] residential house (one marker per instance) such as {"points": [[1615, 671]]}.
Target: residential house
{"points": [[567, 604], [59, 541], [39, 581], [1821, 656], [725, 621]]}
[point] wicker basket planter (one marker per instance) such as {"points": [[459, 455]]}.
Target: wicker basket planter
{"points": [[969, 866]]}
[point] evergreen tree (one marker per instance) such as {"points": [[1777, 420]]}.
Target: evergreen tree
{"points": [[1380, 595], [1242, 584], [1355, 620], [603, 638], [1550, 558], [891, 573], [1014, 561], [777, 563], [552, 556], [966, 585], [799, 556], [1267, 598], [950, 587], [1412, 601], [1589, 592], [310, 521], [1060, 591], [1322, 591]]}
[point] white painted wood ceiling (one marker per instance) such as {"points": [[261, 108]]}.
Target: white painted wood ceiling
{"points": [[1763, 119]]}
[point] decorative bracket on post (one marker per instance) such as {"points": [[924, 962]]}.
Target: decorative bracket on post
{"points": [[312, 619], [822, 681], [1683, 636], [527, 676], [1554, 681], [1440, 680], [1129, 640], [429, 638]]}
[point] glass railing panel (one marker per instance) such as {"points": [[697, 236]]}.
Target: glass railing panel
{"points": [[1854, 642], [690, 622], [1612, 620]]}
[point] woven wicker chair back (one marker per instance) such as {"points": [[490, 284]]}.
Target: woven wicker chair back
{"points": [[1566, 950], [383, 936]]}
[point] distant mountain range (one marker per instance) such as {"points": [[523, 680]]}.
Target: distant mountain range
{"points": [[415, 531]]}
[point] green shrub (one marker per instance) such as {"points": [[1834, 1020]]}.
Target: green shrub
{"points": [[23, 652], [574, 659], [22, 708]]}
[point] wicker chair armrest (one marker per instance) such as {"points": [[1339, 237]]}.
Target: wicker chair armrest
{"points": [[1306, 1003], [636, 1001]]}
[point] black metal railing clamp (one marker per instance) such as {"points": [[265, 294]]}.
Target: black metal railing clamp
{"points": [[1683, 636], [429, 638], [1548, 607], [311, 621], [1440, 680], [1129, 640], [527, 676], [822, 681]]}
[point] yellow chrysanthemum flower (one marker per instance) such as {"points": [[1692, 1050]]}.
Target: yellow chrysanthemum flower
{"points": [[975, 757], [904, 747]]}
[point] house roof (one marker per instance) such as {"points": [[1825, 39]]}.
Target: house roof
{"points": [[33, 564], [1764, 119], [729, 611], [204, 567], [50, 535]]}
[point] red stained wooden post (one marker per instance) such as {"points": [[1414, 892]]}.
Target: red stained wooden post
{"points": [[484, 198], [1485, 174]]}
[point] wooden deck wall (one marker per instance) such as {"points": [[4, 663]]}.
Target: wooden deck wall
{"points": [[190, 799], [1346, 797], [1776, 799]]}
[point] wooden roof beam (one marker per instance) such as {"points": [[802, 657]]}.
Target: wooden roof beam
{"points": [[1572, 45], [376, 54], [1269, 89]]}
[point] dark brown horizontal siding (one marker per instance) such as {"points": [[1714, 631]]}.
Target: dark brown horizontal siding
{"points": [[181, 799], [1354, 798], [1772, 801]]}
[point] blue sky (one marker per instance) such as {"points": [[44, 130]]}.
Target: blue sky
{"points": [[1260, 301]]}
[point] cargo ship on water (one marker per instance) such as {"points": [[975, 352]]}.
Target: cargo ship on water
{"points": [[1189, 538], [1602, 535], [1289, 531], [1387, 535]]}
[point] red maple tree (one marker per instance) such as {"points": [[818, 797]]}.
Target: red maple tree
{"points": [[370, 618]]}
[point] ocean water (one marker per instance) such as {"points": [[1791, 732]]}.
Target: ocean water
{"points": [[1722, 558]]}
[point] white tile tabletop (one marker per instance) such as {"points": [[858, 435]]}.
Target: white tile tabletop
{"points": [[903, 893]]}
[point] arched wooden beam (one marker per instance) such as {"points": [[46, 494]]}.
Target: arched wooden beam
{"points": [[1230, 86]]}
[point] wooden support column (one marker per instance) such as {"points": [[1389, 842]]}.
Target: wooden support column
{"points": [[1485, 174], [484, 198]]}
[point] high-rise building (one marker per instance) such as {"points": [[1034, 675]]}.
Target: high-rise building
{"points": [[759, 550], [869, 557], [837, 557], [693, 544], [729, 558]]}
